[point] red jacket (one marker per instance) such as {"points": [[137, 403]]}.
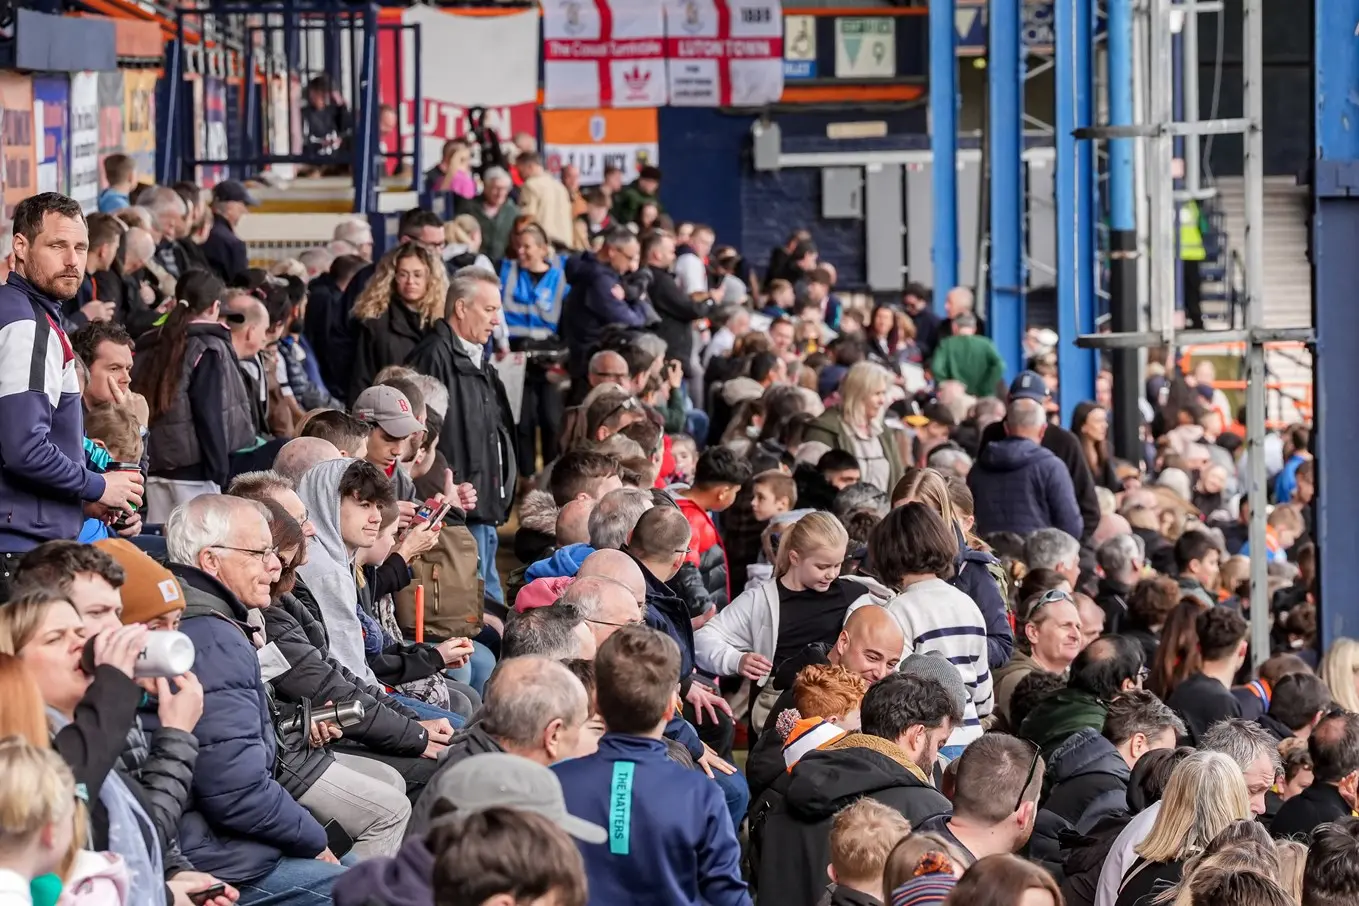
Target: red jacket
{"points": [[704, 534]]}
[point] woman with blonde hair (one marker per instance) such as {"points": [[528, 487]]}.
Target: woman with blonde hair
{"points": [[856, 426], [37, 817], [804, 604], [462, 236], [1206, 793], [1292, 857], [976, 573], [1340, 670], [395, 310]]}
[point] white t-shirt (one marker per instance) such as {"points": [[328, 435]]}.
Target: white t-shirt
{"points": [[691, 273]]}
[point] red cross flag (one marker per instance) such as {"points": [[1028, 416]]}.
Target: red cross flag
{"points": [[603, 53], [724, 53]]}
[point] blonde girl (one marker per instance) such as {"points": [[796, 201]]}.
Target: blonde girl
{"points": [[37, 813], [805, 603], [396, 309], [1340, 670]]}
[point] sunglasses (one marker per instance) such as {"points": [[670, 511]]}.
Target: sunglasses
{"points": [[1028, 779], [1048, 597]]}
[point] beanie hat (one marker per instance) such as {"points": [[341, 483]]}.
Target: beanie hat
{"points": [[150, 589], [925, 890], [807, 735], [933, 665]]}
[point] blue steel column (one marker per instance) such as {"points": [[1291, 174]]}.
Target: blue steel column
{"points": [[944, 147], [1126, 418], [365, 123], [1005, 71], [1335, 273], [1075, 190]]}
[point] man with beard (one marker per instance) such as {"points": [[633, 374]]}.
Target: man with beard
{"points": [[45, 478]]}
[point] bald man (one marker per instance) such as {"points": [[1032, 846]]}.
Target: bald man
{"points": [[249, 322], [870, 644], [608, 367], [606, 604], [617, 567], [573, 522], [298, 456]]}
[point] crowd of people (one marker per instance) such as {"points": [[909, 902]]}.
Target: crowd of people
{"points": [[799, 601]]}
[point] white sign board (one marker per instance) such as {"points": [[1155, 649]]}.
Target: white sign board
{"points": [[865, 47]]}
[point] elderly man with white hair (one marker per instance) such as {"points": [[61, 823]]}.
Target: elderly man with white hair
{"points": [[242, 824], [358, 234], [170, 215], [615, 516], [494, 211]]}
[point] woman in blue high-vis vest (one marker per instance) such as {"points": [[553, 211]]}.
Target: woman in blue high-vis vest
{"points": [[533, 286]]}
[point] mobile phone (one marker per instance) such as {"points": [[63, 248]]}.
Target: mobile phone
{"points": [[199, 897], [337, 839], [426, 510]]}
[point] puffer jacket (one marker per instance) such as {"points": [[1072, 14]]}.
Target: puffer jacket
{"points": [[1082, 769], [303, 375], [316, 679], [1022, 487], [241, 821], [972, 576], [596, 300], [162, 765]]}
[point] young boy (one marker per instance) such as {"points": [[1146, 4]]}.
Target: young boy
{"points": [[862, 836], [115, 431], [120, 172], [717, 480], [839, 468], [347, 433], [774, 492], [501, 857], [669, 830]]}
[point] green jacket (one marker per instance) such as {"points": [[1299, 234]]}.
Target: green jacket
{"points": [[973, 360], [1055, 719], [495, 232], [831, 430], [629, 203]]}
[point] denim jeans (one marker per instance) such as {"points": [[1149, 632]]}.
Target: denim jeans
{"points": [[477, 670], [294, 882], [737, 794], [488, 542], [427, 711]]}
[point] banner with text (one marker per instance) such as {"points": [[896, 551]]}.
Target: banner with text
{"points": [[213, 132], [51, 122], [465, 62], [85, 139], [18, 140], [139, 120], [594, 139], [110, 119], [724, 53], [603, 53]]}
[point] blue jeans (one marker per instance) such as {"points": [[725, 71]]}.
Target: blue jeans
{"points": [[426, 711], [477, 670], [737, 794], [294, 882], [488, 542]]}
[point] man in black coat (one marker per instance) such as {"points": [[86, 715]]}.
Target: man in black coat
{"points": [[478, 437], [1334, 747], [328, 326], [1066, 446], [677, 310], [906, 719], [224, 250]]}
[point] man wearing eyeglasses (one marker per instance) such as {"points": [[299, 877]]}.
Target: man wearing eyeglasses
{"points": [[1110, 665], [1052, 625]]}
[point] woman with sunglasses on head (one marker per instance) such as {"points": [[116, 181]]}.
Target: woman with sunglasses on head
{"points": [[1049, 636]]}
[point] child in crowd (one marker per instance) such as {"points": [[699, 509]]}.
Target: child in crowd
{"points": [[504, 855], [805, 604], [773, 496], [822, 695], [347, 433], [116, 431], [717, 480], [862, 835], [668, 827], [685, 453], [37, 817], [913, 550]]}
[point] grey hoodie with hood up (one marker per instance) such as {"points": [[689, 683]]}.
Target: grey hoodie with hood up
{"points": [[329, 570]]}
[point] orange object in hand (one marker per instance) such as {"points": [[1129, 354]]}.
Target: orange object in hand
{"points": [[419, 613]]}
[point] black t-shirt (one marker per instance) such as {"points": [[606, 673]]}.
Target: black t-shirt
{"points": [[1202, 701], [808, 617]]}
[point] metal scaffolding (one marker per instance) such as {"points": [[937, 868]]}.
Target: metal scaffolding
{"points": [[1158, 134]]}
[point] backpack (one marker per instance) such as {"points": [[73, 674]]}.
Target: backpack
{"points": [[454, 590]]}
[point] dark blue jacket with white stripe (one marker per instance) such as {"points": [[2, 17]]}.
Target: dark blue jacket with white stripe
{"points": [[43, 477]]}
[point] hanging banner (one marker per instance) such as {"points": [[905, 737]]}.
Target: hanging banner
{"points": [[110, 119], [594, 139], [85, 139], [212, 130], [501, 51], [603, 53], [724, 53], [18, 141], [51, 121], [139, 120]]}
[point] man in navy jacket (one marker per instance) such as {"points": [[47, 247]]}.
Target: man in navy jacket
{"points": [[242, 826], [598, 298], [669, 831], [44, 480], [1020, 486]]}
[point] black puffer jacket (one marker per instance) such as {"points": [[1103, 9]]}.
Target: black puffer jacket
{"points": [[790, 824], [1083, 769], [162, 763], [315, 678]]}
